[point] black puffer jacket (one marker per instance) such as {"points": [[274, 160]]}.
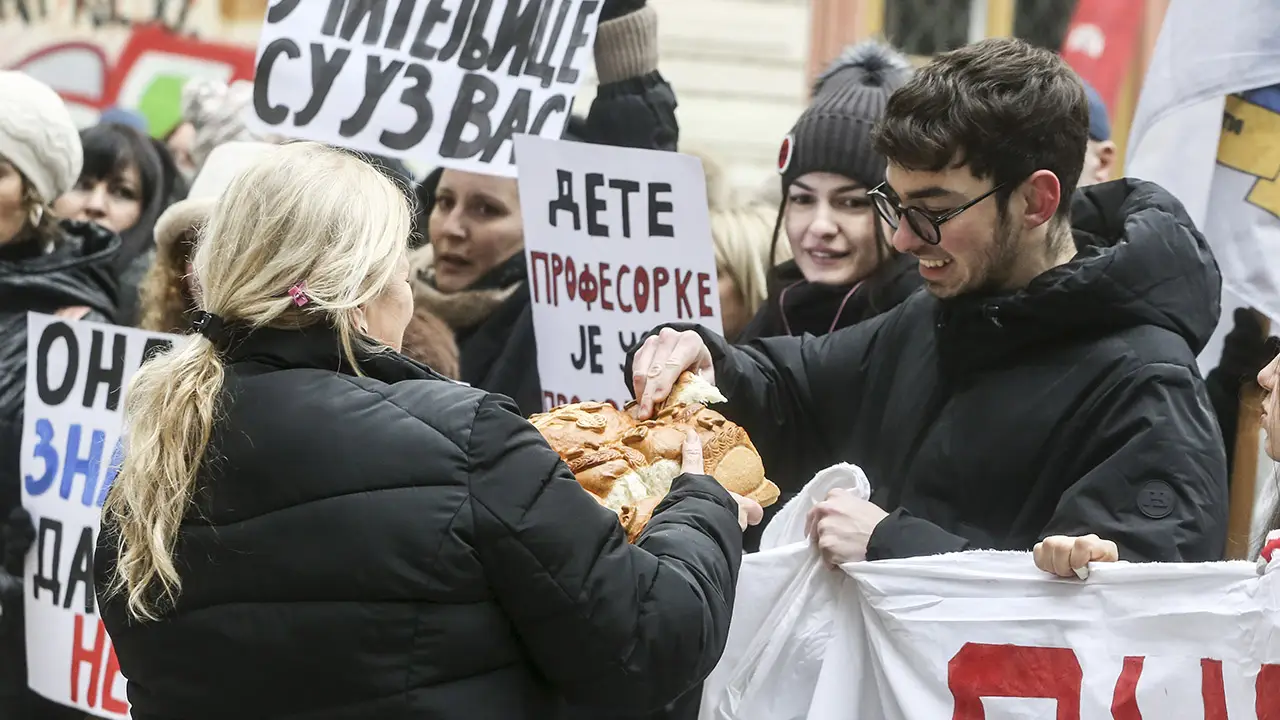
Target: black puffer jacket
{"points": [[78, 273], [796, 306], [401, 546], [1074, 406]]}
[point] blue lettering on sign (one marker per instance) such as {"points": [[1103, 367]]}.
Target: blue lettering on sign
{"points": [[46, 452], [88, 465], [117, 457]]}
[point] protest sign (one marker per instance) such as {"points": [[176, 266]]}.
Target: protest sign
{"points": [[985, 635], [618, 241], [439, 82], [76, 375]]}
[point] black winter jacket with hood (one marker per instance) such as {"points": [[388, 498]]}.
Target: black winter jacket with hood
{"points": [[1073, 406], [797, 307], [80, 272], [398, 545]]}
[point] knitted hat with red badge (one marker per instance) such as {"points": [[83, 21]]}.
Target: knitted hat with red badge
{"points": [[834, 133]]}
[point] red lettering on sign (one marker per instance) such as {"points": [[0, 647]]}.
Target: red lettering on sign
{"points": [[1268, 692], [704, 293], [1124, 701], [1212, 690], [104, 668], [81, 655], [979, 671]]}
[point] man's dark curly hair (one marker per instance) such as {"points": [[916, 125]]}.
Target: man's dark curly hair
{"points": [[1002, 107]]}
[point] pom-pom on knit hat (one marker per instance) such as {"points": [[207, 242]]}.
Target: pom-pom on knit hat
{"points": [[834, 133]]}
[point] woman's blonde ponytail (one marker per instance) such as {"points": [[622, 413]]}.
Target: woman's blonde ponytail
{"points": [[169, 411], [302, 213]]}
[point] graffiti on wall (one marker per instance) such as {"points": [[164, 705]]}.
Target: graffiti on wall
{"points": [[134, 54]]}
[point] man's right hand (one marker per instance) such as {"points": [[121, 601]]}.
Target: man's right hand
{"points": [[660, 361]]}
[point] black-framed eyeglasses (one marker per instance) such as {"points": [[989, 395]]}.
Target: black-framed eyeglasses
{"points": [[926, 225]]}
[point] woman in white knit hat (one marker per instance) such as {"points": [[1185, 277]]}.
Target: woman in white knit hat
{"points": [[46, 266]]}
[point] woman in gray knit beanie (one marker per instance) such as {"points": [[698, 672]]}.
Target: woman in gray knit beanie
{"points": [[844, 270]]}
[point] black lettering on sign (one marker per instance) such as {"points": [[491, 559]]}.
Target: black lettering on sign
{"points": [[400, 25], [284, 8], [515, 33], [657, 228], [543, 69], [49, 395], [323, 72], [589, 349], [459, 28], [112, 376], [577, 41], [414, 96], [435, 14], [46, 578], [625, 188], [555, 103], [372, 12], [475, 52], [515, 121], [595, 206], [155, 346], [476, 97], [376, 81], [268, 113], [81, 572], [564, 203]]}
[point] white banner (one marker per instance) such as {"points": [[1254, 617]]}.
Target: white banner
{"points": [[437, 82], [618, 241], [987, 635], [76, 374]]}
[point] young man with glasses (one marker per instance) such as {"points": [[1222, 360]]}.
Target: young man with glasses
{"points": [[1044, 384]]}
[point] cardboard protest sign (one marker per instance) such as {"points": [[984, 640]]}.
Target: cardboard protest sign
{"points": [[618, 241], [439, 82], [76, 375]]}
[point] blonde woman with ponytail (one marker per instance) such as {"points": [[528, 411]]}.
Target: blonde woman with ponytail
{"points": [[309, 524]]}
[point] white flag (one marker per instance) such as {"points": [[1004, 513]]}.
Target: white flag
{"points": [[1207, 129]]}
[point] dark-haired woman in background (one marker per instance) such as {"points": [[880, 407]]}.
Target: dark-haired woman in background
{"points": [[844, 271], [124, 186]]}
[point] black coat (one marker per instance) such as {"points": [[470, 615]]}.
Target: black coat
{"points": [[402, 546], [796, 306], [79, 272], [1073, 406]]}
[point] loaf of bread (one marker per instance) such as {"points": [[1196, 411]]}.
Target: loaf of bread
{"points": [[628, 465]]}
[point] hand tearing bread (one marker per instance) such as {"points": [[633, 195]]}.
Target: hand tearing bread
{"points": [[628, 466]]}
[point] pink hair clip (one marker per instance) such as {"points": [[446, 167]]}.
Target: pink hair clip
{"points": [[299, 294]]}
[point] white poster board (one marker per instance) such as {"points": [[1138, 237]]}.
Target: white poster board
{"points": [[437, 82], [76, 375], [617, 241]]}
